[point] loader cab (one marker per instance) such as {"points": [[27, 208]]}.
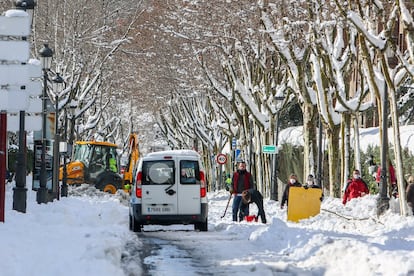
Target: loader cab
{"points": [[96, 157], [94, 163]]}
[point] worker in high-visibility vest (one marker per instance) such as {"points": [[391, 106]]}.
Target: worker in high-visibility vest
{"points": [[127, 188], [228, 182], [112, 163]]}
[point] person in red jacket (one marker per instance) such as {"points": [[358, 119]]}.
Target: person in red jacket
{"points": [[242, 180], [355, 188]]}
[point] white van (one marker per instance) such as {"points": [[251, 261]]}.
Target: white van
{"points": [[169, 188]]}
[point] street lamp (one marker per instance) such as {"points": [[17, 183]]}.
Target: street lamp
{"points": [[20, 191], [63, 148], [57, 87], [383, 200], [27, 6], [274, 195], [72, 110], [46, 59]]}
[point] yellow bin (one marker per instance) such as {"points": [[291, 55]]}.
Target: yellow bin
{"points": [[303, 203]]}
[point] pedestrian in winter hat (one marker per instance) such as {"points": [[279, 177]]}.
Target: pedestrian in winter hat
{"points": [[293, 178], [356, 187], [293, 182], [310, 182]]}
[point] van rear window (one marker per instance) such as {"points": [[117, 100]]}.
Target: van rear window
{"points": [[158, 172], [190, 172]]}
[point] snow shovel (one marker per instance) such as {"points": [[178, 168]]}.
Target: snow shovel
{"points": [[225, 211]]}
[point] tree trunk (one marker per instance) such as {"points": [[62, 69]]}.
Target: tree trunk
{"points": [[309, 136], [357, 156], [345, 147], [397, 153], [332, 134]]}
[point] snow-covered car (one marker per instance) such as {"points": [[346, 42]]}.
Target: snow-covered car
{"points": [[169, 187]]}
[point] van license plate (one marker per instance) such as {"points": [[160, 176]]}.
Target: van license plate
{"points": [[159, 209]]}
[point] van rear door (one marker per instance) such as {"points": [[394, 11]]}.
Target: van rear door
{"points": [[159, 188], [189, 200]]}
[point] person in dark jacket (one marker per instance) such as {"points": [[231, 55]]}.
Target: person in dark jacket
{"points": [[310, 182], [410, 193], [355, 188], [293, 182], [253, 196], [242, 180]]}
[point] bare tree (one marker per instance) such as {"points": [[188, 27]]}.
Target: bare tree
{"points": [[383, 72], [86, 38]]}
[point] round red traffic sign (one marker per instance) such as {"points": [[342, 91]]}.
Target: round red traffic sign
{"points": [[221, 159]]}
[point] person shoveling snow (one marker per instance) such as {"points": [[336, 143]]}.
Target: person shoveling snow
{"points": [[253, 196]]}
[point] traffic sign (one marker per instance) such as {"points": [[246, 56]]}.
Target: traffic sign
{"points": [[18, 74], [221, 158], [34, 88], [19, 89], [14, 50], [33, 122], [233, 142], [15, 23], [35, 105], [14, 100], [237, 154], [269, 149]]}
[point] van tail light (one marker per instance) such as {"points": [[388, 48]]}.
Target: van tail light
{"points": [[138, 185], [203, 188]]}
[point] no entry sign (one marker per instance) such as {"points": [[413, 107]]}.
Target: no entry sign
{"points": [[221, 159]]}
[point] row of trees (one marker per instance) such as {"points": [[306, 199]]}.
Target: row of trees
{"points": [[214, 70], [88, 38], [336, 59]]}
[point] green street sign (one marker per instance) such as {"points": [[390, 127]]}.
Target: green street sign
{"points": [[269, 149]]}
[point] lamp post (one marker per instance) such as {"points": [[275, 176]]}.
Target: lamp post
{"points": [[383, 200], [20, 191], [26, 5], [64, 190], [46, 59], [72, 129], [274, 195], [58, 82]]}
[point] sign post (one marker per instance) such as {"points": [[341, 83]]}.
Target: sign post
{"points": [[17, 88], [3, 151], [221, 159], [233, 147]]}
